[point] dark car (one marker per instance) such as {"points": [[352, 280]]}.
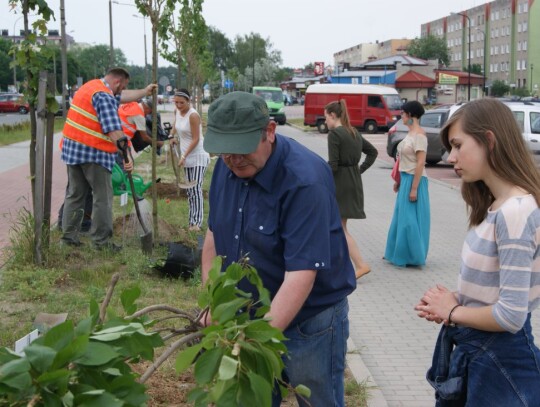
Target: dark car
{"points": [[13, 102], [432, 122]]}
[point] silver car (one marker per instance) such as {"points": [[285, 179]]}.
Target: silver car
{"points": [[527, 115], [432, 122]]}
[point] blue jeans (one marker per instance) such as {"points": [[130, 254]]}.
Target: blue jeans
{"points": [[475, 368], [317, 349]]}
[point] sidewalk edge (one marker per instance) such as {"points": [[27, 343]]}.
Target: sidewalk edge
{"points": [[362, 375]]}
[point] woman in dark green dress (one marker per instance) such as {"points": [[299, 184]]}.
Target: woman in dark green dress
{"points": [[345, 148]]}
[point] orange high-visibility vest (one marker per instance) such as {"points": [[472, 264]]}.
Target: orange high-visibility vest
{"points": [[126, 111], [82, 124]]}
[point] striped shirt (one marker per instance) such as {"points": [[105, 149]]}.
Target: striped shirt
{"points": [[501, 263], [74, 153]]}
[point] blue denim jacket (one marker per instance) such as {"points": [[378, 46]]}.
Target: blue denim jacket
{"points": [[481, 369]]}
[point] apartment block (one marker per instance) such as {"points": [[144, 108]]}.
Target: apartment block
{"points": [[502, 36], [362, 53]]}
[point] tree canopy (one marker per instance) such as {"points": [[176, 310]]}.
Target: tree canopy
{"points": [[430, 47]]}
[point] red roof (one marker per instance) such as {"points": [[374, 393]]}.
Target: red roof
{"points": [[412, 79]]}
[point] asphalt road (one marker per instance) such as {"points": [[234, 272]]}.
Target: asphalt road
{"points": [[13, 118]]}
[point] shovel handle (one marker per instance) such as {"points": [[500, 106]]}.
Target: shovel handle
{"points": [[122, 144]]}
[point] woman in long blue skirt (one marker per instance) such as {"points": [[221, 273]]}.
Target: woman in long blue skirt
{"points": [[408, 238]]}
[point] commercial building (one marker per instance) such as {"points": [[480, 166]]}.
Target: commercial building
{"points": [[504, 41], [362, 53]]}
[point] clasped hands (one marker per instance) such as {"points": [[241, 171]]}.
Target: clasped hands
{"points": [[436, 304]]}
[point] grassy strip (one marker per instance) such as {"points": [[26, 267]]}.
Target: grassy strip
{"points": [[299, 123], [13, 133]]}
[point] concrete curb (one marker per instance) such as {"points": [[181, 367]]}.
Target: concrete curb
{"points": [[362, 375]]}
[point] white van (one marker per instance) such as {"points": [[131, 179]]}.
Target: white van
{"points": [[527, 115]]}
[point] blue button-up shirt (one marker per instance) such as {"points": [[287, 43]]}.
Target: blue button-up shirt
{"points": [[284, 219], [74, 153]]}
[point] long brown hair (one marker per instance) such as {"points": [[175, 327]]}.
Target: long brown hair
{"points": [[508, 157], [339, 108]]}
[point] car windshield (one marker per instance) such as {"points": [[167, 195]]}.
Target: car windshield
{"points": [[393, 102], [272, 95]]}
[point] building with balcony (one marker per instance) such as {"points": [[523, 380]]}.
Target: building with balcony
{"points": [[504, 41]]}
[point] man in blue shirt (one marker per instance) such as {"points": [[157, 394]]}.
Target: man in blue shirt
{"points": [[273, 200]]}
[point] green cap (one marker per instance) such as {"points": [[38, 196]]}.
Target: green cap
{"points": [[235, 123]]}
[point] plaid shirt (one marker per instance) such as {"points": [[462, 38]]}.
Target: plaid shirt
{"points": [[74, 153]]}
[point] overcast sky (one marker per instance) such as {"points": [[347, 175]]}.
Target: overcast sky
{"points": [[303, 30]]}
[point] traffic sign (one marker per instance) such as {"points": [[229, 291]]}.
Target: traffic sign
{"points": [[229, 84]]}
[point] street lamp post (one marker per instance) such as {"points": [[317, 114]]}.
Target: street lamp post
{"points": [[111, 55], [532, 66], [145, 54], [469, 56], [14, 56], [485, 62]]}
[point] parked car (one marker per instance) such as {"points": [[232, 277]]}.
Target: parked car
{"points": [[13, 102], [432, 122], [60, 110], [527, 115]]}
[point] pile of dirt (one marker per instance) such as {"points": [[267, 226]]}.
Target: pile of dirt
{"points": [[168, 190]]}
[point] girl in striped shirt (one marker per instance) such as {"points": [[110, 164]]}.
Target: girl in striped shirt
{"points": [[485, 353]]}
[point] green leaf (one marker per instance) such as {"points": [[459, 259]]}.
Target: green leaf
{"points": [[215, 270], [97, 354], [74, 350], [14, 367], [264, 389], [186, 357], [303, 390], [19, 381], [40, 357], [128, 298], [94, 310], [58, 337], [224, 312], [84, 327], [97, 398], [56, 379], [7, 355], [260, 331], [227, 368], [229, 396], [207, 365]]}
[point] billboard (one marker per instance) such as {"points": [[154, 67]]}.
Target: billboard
{"points": [[319, 68]]}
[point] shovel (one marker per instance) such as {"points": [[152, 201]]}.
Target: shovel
{"points": [[146, 238], [180, 180]]}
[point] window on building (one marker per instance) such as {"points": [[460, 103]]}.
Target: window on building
{"points": [[495, 67], [497, 15], [524, 26], [524, 45], [518, 65], [525, 7], [519, 46], [519, 27], [519, 8], [507, 48]]}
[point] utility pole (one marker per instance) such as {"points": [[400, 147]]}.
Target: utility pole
{"points": [[111, 56], [63, 56]]}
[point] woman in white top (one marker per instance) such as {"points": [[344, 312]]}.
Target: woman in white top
{"points": [[408, 237], [188, 128]]}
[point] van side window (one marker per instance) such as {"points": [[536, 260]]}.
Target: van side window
{"points": [[535, 122], [520, 118], [375, 101]]}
